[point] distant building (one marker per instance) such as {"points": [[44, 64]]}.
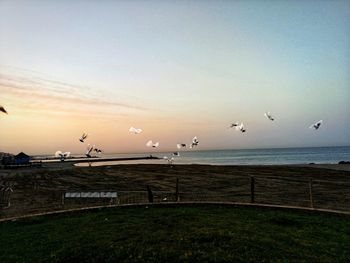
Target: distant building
{"points": [[21, 158]]}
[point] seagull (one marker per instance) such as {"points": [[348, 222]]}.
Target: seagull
{"points": [[98, 150], [135, 130], [3, 109], [269, 116], [151, 144], [89, 150], [194, 142], [176, 154], [62, 155], [181, 145], [170, 160], [233, 125], [83, 137], [316, 125], [241, 128]]}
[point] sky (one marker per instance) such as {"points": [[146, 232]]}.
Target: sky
{"points": [[176, 69]]}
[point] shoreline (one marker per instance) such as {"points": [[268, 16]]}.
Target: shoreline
{"points": [[158, 161]]}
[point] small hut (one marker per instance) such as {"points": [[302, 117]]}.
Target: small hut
{"points": [[22, 158]]}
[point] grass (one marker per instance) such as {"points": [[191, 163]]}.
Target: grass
{"points": [[38, 190], [199, 233]]}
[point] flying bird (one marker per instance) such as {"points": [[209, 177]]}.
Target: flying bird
{"points": [[194, 142], [83, 137], [151, 144], [176, 154], [269, 116], [97, 150], [2, 109], [233, 125], [89, 150], [316, 125], [135, 130], [241, 128], [181, 145], [62, 155], [169, 160]]}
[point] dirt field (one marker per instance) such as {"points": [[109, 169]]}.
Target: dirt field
{"points": [[41, 189]]}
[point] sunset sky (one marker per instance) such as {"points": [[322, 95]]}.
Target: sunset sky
{"points": [[176, 69]]}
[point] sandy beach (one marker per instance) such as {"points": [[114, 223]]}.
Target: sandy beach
{"points": [[41, 189]]}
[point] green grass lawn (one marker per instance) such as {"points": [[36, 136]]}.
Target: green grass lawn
{"points": [[178, 234]]}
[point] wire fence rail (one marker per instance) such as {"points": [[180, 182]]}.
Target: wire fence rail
{"points": [[317, 194]]}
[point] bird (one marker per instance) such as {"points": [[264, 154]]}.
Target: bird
{"points": [[269, 116], [135, 130], [241, 128], [62, 155], [98, 150], [83, 137], [2, 109], [194, 142], [151, 144], [233, 125], [169, 160], [176, 154], [89, 150], [316, 125], [181, 145]]}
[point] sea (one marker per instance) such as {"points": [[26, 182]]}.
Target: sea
{"points": [[275, 156]]}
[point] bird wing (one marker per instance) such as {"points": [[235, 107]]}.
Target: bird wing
{"points": [[156, 144], [58, 154], [149, 143], [3, 109], [135, 130]]}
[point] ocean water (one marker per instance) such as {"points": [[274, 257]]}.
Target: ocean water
{"points": [[319, 155], [268, 156]]}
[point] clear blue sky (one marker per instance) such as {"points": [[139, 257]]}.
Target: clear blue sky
{"points": [[176, 69]]}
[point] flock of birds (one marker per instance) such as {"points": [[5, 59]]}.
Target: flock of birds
{"points": [[91, 149], [268, 115]]}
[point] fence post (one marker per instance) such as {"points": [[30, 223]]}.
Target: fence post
{"points": [[311, 194], [150, 194], [252, 181], [177, 190]]}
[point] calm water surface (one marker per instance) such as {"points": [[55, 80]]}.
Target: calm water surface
{"points": [[326, 155]]}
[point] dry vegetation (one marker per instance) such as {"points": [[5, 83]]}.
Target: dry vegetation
{"points": [[40, 189]]}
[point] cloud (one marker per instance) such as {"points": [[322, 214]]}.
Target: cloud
{"points": [[31, 91]]}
